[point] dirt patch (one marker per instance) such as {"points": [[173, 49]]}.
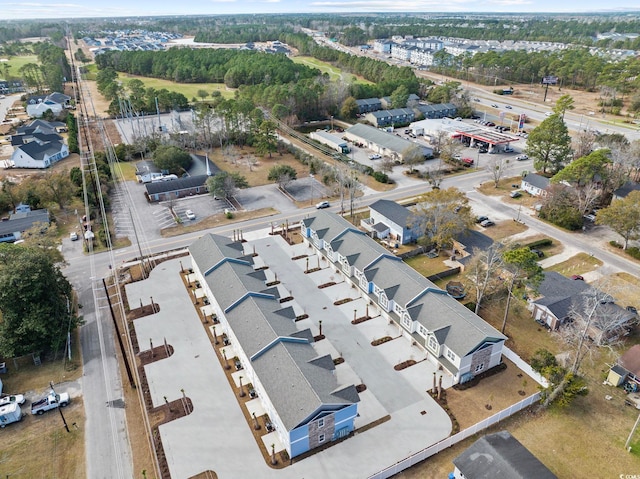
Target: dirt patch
{"points": [[216, 220]]}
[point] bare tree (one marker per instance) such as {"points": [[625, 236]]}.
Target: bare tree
{"points": [[354, 188], [584, 143], [386, 164], [449, 148], [435, 175], [497, 168], [483, 271]]}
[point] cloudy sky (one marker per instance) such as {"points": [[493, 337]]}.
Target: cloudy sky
{"points": [[16, 9]]}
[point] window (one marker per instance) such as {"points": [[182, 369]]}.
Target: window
{"points": [[422, 330], [450, 355], [406, 321], [479, 367], [384, 303], [321, 438], [433, 344], [321, 423]]}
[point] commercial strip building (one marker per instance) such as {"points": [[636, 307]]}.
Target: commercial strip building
{"points": [[382, 142]]}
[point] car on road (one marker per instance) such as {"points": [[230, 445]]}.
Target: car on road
{"points": [[522, 157], [487, 223], [508, 107], [458, 118], [190, 215], [549, 113], [374, 156], [16, 398], [577, 277], [494, 105], [477, 99], [515, 194], [322, 205], [73, 236]]}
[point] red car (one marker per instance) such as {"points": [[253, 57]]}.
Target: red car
{"points": [[577, 277]]}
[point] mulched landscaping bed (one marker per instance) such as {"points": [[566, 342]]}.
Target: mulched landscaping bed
{"points": [[295, 258], [301, 317], [404, 364], [337, 361], [361, 388], [361, 319], [382, 340], [312, 270], [319, 337], [156, 354], [326, 285], [455, 426], [342, 301], [273, 283], [288, 298]]}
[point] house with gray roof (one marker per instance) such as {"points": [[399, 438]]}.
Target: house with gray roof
{"points": [[454, 337], [558, 296], [11, 230], [365, 105], [56, 102], [535, 184], [395, 116], [625, 189], [499, 456], [297, 387], [39, 153], [382, 142], [388, 219], [176, 188]]}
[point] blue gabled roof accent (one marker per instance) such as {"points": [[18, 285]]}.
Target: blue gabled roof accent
{"points": [[279, 339], [224, 260], [425, 291], [246, 295]]}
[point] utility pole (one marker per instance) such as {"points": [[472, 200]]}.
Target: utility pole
{"points": [[64, 421]]}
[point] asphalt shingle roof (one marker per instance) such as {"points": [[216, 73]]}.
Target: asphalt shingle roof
{"points": [[176, 185], [382, 138], [393, 211], [500, 456]]}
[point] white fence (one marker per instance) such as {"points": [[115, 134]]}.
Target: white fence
{"points": [[470, 431], [456, 438]]}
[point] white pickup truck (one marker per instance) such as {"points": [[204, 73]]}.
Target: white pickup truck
{"points": [[52, 401]]}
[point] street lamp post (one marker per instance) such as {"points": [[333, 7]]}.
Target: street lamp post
{"points": [[311, 185]]}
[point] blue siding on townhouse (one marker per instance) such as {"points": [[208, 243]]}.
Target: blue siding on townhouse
{"points": [[345, 419], [299, 440]]}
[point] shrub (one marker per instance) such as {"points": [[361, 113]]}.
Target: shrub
{"points": [[634, 252], [615, 244], [542, 242], [229, 215], [380, 177]]}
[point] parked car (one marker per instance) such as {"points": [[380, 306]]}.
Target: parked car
{"points": [[73, 236], [537, 252], [549, 113], [52, 401], [487, 223], [508, 149], [480, 219], [577, 277], [190, 215], [591, 218], [522, 157], [632, 309], [16, 398], [490, 123], [374, 156], [322, 205], [515, 194], [458, 118], [467, 162], [483, 149]]}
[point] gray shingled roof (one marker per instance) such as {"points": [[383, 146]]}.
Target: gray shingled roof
{"points": [[38, 151], [463, 330], [382, 138], [297, 381], [176, 185], [500, 456], [20, 222], [536, 180], [392, 210], [627, 188]]}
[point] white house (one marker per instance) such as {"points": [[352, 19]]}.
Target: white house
{"points": [[535, 184], [56, 102], [37, 154], [388, 219]]}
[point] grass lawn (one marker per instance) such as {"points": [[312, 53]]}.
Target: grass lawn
{"points": [[255, 169], [334, 73], [17, 62], [554, 248], [126, 171], [427, 266], [190, 90], [213, 221], [503, 229], [578, 264]]}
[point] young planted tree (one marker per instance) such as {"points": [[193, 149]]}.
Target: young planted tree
{"points": [[521, 264], [623, 217], [266, 138], [441, 215]]}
